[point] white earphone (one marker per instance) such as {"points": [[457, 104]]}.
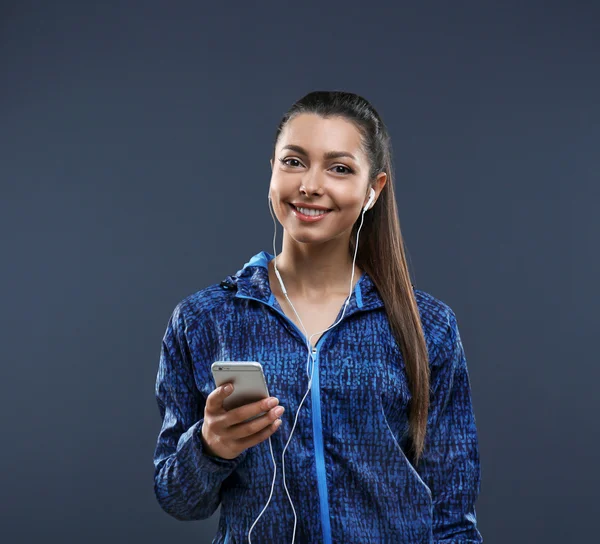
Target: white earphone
{"points": [[371, 199]]}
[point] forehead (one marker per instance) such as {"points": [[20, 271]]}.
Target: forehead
{"points": [[318, 135]]}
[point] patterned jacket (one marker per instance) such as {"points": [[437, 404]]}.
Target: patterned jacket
{"points": [[346, 469]]}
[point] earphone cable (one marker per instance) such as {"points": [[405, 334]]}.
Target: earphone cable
{"points": [[309, 374]]}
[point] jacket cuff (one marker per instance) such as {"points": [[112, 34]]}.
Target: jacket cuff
{"points": [[204, 461]]}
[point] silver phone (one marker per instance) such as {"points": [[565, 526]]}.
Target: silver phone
{"points": [[249, 384]]}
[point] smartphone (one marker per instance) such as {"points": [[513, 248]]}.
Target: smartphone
{"points": [[249, 384]]}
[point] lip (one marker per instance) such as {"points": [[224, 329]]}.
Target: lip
{"points": [[309, 218]]}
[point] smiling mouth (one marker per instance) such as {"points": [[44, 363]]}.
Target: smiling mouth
{"points": [[311, 211], [308, 215]]}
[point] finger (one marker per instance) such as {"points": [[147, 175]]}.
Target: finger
{"points": [[260, 436], [241, 413], [245, 429], [214, 401]]}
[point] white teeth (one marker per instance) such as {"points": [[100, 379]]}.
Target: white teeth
{"points": [[307, 211]]}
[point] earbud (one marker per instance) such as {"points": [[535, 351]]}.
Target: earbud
{"points": [[371, 199]]}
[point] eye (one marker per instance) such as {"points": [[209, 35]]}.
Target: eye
{"points": [[348, 170], [284, 161]]}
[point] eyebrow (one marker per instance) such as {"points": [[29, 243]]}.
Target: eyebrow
{"points": [[326, 155]]}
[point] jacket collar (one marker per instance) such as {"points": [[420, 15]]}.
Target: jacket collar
{"points": [[253, 281]]}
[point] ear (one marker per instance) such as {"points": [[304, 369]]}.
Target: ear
{"points": [[379, 184]]}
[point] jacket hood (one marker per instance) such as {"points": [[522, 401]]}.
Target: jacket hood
{"points": [[252, 280]]}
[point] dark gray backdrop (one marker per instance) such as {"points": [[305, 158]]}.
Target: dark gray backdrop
{"points": [[134, 147]]}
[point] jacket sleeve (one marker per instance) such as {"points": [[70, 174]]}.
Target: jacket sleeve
{"points": [[450, 463], [187, 480]]}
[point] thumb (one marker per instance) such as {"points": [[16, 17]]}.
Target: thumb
{"points": [[226, 389], [214, 403]]}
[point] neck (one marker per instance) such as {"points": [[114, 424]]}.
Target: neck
{"points": [[313, 271]]}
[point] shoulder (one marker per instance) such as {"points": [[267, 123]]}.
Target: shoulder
{"points": [[438, 320], [196, 308]]}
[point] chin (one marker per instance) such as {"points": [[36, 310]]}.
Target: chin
{"points": [[306, 239], [316, 238]]}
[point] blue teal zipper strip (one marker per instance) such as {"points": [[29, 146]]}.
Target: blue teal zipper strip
{"points": [[319, 450], [317, 429]]}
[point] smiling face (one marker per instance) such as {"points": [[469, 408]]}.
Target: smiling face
{"points": [[310, 171]]}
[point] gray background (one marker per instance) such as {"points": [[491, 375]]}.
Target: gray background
{"points": [[134, 147]]}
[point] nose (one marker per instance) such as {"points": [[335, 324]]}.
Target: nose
{"points": [[312, 184]]}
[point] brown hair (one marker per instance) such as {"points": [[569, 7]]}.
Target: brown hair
{"points": [[382, 236]]}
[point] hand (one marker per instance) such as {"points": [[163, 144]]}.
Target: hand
{"points": [[226, 434]]}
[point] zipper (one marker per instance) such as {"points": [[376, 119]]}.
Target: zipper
{"points": [[319, 449], [316, 419]]}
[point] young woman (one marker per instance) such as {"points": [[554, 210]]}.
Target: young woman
{"points": [[377, 438]]}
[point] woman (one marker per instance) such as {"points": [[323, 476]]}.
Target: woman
{"points": [[377, 441]]}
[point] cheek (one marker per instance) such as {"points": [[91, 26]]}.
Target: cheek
{"points": [[279, 191], [348, 207], [281, 210]]}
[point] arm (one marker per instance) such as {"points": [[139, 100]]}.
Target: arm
{"points": [[450, 463], [187, 480]]}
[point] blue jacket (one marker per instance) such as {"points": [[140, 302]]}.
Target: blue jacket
{"points": [[346, 471]]}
